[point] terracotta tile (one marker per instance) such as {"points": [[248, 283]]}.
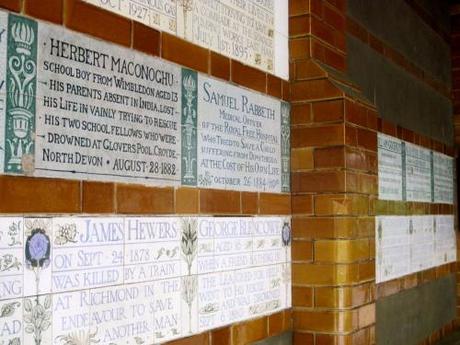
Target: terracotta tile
{"points": [[367, 139], [145, 39], [308, 69], [318, 181], [344, 204], [144, 200], [341, 251], [221, 336], [187, 200], [324, 228], [299, 25], [38, 195], [358, 159], [92, 20], [323, 31], [250, 331], [324, 274], [331, 135], [330, 157], [249, 203], [299, 48], [351, 135], [301, 114], [302, 250], [12, 5], [302, 296], [274, 85], [303, 338], [275, 324], [328, 111], [199, 339], [334, 18], [248, 76], [302, 204], [50, 10], [274, 204], [314, 90], [98, 197], [220, 66], [333, 297], [367, 271], [356, 113], [297, 7], [301, 159], [287, 320], [366, 315], [286, 90], [173, 48], [213, 201], [326, 321]]}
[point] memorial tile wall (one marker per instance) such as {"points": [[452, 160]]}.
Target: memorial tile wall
{"points": [[79, 108], [254, 32], [406, 244], [134, 280]]}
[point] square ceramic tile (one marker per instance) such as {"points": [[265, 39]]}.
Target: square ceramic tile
{"points": [[205, 257], [393, 247], [210, 297], [422, 243], [443, 177], [87, 252], [418, 173], [272, 240], [189, 304], [11, 321], [122, 314], [390, 165], [445, 240], [152, 249], [38, 234], [38, 319], [11, 257], [170, 321], [71, 319]]}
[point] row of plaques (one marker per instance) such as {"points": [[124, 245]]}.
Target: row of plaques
{"points": [[75, 107], [412, 173], [138, 280], [254, 32], [409, 244]]}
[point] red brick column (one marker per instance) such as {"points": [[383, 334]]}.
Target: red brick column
{"points": [[334, 184]]}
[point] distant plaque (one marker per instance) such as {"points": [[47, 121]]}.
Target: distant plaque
{"points": [[443, 178], [393, 247], [418, 173], [390, 168]]}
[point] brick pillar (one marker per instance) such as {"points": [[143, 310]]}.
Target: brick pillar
{"points": [[334, 184]]}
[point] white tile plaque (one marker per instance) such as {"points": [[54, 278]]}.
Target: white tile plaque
{"points": [[390, 168], [418, 173], [79, 108], [251, 31], [409, 244], [443, 178], [412, 173], [393, 247], [139, 280]]}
